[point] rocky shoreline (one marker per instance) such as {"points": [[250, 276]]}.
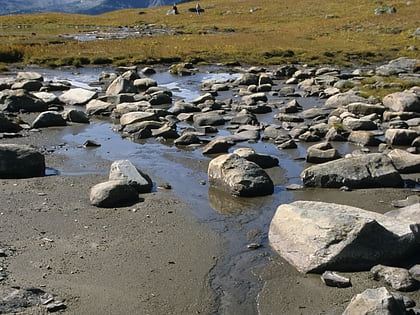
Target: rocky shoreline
{"points": [[226, 123]]}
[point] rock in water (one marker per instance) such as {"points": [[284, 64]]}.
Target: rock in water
{"points": [[239, 176], [362, 171]]}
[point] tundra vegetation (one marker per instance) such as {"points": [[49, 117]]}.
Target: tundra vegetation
{"points": [[247, 32]]}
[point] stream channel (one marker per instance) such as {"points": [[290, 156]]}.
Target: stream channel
{"points": [[242, 221]]}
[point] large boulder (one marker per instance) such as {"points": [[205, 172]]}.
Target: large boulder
{"points": [[126, 171], [316, 236], [98, 107], [144, 83], [362, 171], [20, 161], [114, 193], [120, 85], [375, 301], [342, 99], [321, 153], [402, 102], [17, 101], [77, 96], [8, 126], [135, 117], [397, 66], [238, 176], [404, 161], [48, 119], [263, 160], [209, 119], [400, 136]]}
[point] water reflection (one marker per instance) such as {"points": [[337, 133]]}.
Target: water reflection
{"points": [[230, 205]]}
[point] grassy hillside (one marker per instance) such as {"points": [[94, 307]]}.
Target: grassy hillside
{"points": [[244, 31]]}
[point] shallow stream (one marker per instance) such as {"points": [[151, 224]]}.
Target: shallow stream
{"points": [[241, 221]]}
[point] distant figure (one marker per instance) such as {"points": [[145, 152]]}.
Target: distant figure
{"points": [[175, 9], [198, 8]]}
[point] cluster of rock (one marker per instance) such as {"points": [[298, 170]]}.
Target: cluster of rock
{"points": [[319, 237], [123, 187]]}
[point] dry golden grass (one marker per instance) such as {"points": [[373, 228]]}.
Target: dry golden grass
{"points": [[275, 32]]}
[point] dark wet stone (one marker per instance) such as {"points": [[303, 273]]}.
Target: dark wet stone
{"points": [[333, 279]]}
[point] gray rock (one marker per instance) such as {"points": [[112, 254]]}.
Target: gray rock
{"points": [[409, 213], [396, 66], [125, 170], [415, 272], [160, 98], [336, 134], [309, 136], [363, 171], [184, 107], [404, 161], [247, 79], [263, 160], [77, 96], [166, 131], [244, 119], [333, 279], [342, 99], [187, 139], [400, 136], [20, 161], [375, 301], [28, 75], [239, 177], [275, 132], [314, 112], [135, 117], [390, 115], [359, 124], [253, 99], [398, 278], [316, 236], [27, 85], [364, 138], [127, 107], [321, 153], [113, 193], [402, 102], [141, 125], [16, 300], [362, 109], [120, 85], [47, 98], [203, 98], [144, 83], [218, 145], [289, 144], [410, 200], [291, 107], [98, 107], [20, 100], [49, 119], [208, 119], [8, 126], [289, 118]]}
